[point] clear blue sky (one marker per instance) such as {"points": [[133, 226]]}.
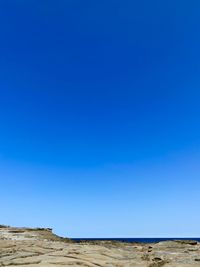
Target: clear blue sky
{"points": [[100, 117]]}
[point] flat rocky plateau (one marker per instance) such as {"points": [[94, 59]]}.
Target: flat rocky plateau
{"points": [[40, 247]]}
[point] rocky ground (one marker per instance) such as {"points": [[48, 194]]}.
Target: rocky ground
{"points": [[40, 247]]}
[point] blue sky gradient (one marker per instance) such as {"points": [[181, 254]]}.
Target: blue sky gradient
{"points": [[99, 117]]}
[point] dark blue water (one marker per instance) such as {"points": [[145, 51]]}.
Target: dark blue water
{"points": [[135, 240]]}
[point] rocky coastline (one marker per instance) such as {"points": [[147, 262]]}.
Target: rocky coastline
{"points": [[36, 247]]}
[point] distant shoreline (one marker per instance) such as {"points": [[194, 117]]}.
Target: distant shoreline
{"points": [[136, 240]]}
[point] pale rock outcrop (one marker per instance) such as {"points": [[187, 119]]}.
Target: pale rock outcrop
{"points": [[39, 247]]}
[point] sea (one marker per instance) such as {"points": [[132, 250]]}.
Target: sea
{"points": [[136, 240]]}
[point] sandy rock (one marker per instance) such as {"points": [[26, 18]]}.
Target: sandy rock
{"points": [[39, 247]]}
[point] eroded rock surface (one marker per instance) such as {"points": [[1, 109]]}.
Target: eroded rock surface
{"points": [[40, 247]]}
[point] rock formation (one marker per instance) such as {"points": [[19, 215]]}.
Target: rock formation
{"points": [[39, 247]]}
